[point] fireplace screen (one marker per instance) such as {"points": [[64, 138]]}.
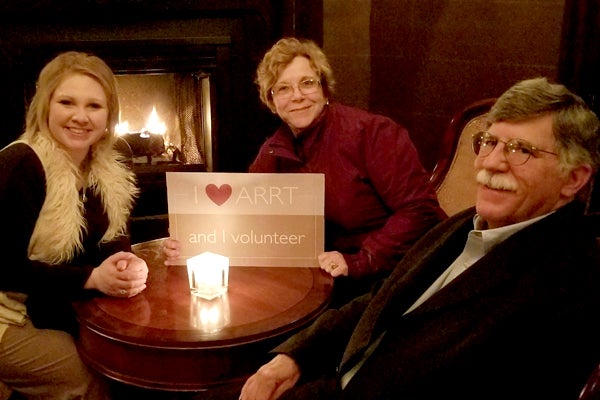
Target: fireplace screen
{"points": [[166, 117]]}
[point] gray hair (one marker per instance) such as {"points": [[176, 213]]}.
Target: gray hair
{"points": [[575, 126]]}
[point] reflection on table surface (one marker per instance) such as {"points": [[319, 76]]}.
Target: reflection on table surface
{"points": [[166, 338]]}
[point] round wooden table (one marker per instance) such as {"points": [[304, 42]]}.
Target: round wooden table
{"points": [[167, 339]]}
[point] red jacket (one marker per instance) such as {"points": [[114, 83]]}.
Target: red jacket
{"points": [[378, 199]]}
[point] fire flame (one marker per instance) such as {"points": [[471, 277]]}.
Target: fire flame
{"points": [[153, 125]]}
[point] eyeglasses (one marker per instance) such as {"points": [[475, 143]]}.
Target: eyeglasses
{"points": [[286, 90], [516, 151]]}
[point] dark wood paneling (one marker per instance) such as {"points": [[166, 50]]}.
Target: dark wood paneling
{"points": [[429, 59]]}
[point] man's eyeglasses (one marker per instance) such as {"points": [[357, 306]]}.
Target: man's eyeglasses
{"points": [[286, 90], [516, 151]]}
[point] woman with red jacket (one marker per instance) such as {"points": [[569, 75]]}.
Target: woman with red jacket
{"points": [[378, 199]]}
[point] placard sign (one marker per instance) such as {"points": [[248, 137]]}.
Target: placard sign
{"points": [[254, 219]]}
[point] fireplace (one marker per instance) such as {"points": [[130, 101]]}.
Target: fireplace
{"points": [[166, 118]]}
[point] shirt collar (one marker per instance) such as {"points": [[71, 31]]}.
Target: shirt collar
{"points": [[491, 237]]}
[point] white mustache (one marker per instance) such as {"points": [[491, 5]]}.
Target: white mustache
{"points": [[496, 181]]}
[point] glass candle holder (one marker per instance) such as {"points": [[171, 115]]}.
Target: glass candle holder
{"points": [[208, 275]]}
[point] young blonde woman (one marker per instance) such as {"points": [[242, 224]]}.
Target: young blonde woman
{"points": [[66, 198]]}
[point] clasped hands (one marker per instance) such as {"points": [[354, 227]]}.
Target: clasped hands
{"points": [[123, 274]]}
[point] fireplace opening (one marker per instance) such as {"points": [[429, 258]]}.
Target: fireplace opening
{"points": [[166, 118]]}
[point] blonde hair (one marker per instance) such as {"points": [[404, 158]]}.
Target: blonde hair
{"points": [[51, 76], [281, 55]]}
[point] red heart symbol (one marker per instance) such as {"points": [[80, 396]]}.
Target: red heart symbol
{"points": [[218, 195]]}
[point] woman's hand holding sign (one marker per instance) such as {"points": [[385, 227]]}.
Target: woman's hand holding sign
{"points": [[333, 263], [171, 249]]}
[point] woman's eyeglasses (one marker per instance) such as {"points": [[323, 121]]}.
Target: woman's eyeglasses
{"points": [[516, 151], [286, 90]]}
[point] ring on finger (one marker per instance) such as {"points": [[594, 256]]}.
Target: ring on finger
{"points": [[122, 292]]}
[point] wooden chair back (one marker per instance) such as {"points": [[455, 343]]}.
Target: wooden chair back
{"points": [[453, 175]]}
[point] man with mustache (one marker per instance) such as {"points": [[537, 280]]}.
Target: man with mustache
{"points": [[498, 302]]}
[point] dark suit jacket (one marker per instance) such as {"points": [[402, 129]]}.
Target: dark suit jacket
{"points": [[522, 322]]}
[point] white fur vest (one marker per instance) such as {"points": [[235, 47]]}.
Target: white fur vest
{"points": [[60, 226]]}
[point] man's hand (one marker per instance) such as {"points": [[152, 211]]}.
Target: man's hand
{"points": [[272, 379]]}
